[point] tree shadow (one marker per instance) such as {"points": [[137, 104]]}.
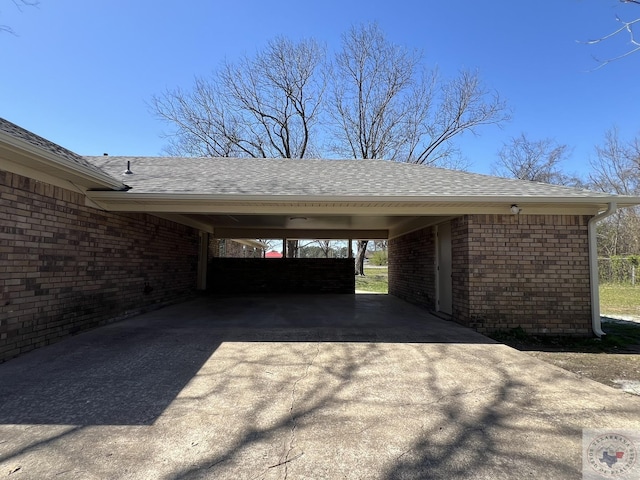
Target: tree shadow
{"points": [[273, 387], [483, 437], [128, 373]]}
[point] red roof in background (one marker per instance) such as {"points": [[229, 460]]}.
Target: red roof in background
{"points": [[273, 254]]}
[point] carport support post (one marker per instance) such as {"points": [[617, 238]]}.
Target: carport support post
{"points": [[284, 248], [350, 249], [203, 258]]}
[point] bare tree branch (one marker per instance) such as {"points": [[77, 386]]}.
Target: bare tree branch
{"points": [[262, 106], [533, 160], [19, 4], [625, 26], [387, 105], [616, 169]]}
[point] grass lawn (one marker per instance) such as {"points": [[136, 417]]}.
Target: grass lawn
{"points": [[375, 280], [621, 299]]}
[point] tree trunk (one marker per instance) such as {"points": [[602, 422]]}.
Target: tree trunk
{"points": [[292, 249], [362, 249]]}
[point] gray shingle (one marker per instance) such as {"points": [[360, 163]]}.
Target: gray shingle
{"points": [[375, 178]]}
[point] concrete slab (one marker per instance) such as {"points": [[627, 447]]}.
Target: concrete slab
{"points": [[318, 387]]}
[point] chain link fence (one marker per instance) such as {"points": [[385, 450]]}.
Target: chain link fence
{"points": [[619, 269]]}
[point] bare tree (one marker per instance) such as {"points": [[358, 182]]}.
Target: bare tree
{"points": [[385, 104], [616, 169], [534, 160], [264, 106], [18, 4]]}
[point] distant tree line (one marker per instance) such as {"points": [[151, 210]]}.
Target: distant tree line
{"points": [[615, 168]]}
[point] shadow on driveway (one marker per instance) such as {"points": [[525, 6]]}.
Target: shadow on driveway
{"points": [[128, 373], [352, 387]]}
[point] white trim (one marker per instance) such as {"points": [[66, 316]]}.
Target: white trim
{"points": [[521, 200]]}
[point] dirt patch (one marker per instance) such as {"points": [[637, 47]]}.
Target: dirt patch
{"points": [[613, 361]]}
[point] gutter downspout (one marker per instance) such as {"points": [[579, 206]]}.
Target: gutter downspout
{"points": [[596, 323]]}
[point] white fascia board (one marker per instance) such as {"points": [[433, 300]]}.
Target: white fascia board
{"points": [[124, 202], [131, 196], [39, 159]]}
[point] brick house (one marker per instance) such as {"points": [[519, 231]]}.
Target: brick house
{"points": [[87, 240]]}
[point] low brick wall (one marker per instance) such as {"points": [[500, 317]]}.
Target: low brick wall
{"points": [[66, 267], [281, 275], [528, 271], [412, 267]]}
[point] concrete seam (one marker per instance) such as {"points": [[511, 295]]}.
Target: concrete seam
{"points": [[294, 418]]}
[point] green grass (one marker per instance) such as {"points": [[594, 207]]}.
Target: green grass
{"points": [[621, 299], [375, 280], [619, 337]]}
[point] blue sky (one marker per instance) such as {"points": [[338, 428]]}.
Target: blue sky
{"points": [[80, 73]]}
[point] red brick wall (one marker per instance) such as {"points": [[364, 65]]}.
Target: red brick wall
{"points": [[412, 267], [528, 271], [65, 267]]}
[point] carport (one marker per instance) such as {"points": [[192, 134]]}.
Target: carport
{"points": [[490, 252], [89, 240], [281, 386]]}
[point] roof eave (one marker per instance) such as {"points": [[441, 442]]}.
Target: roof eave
{"points": [[502, 199], [165, 202], [20, 156]]}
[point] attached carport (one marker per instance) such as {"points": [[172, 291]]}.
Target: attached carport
{"points": [[276, 199], [493, 253], [284, 386], [92, 239]]}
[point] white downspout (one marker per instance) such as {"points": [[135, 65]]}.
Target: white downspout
{"points": [[596, 324]]}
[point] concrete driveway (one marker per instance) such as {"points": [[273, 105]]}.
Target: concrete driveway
{"points": [[317, 387]]}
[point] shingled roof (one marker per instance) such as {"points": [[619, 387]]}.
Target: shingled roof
{"points": [[318, 178], [30, 150], [37, 141]]}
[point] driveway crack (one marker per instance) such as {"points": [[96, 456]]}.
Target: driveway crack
{"points": [[294, 418]]}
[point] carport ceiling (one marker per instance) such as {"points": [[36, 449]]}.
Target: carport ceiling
{"points": [[295, 225]]}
